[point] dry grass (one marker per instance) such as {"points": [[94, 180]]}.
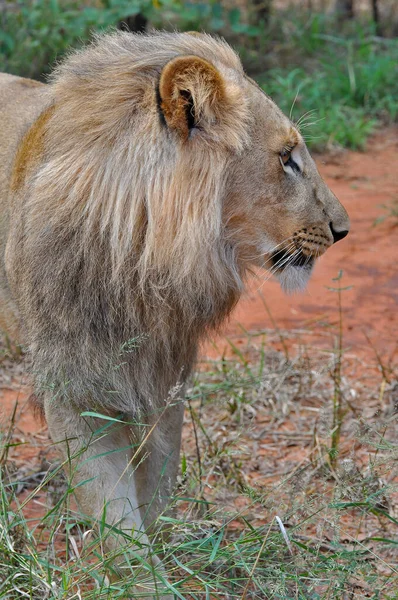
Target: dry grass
{"points": [[266, 507]]}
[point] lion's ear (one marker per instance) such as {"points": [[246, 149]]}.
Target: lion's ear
{"points": [[191, 93]]}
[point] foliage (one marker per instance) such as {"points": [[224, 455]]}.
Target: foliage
{"points": [[346, 85], [33, 35], [324, 117], [344, 78]]}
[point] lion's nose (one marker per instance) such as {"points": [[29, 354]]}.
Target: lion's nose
{"points": [[337, 235]]}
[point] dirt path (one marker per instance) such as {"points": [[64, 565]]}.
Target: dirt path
{"points": [[368, 258]]}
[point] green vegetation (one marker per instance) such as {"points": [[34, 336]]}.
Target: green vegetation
{"points": [[33, 35], [341, 78], [390, 213], [348, 85]]}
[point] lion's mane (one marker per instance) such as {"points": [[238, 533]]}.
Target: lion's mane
{"points": [[125, 246]]}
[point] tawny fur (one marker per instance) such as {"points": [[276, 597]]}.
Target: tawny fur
{"points": [[138, 189]]}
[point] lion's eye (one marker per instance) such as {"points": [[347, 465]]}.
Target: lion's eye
{"points": [[287, 161], [285, 156]]}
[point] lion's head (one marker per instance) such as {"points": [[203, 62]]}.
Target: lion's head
{"points": [[162, 148], [278, 210]]}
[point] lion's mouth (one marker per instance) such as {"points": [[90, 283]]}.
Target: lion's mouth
{"points": [[282, 259]]}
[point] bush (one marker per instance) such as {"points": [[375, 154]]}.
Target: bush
{"points": [[34, 35], [342, 93], [342, 82]]}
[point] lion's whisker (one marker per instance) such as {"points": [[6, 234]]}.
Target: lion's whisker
{"points": [[283, 262], [278, 247], [293, 104], [311, 123], [304, 116]]}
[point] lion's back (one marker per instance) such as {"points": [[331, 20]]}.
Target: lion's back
{"points": [[21, 101]]}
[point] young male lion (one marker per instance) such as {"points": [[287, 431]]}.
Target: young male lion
{"points": [[137, 189]]}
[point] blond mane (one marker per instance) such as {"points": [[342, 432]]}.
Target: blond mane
{"points": [[115, 174], [132, 212]]}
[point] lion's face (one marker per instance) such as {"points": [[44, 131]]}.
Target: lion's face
{"points": [[278, 212]]}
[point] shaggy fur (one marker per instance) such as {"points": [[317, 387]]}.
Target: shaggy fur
{"points": [[149, 181]]}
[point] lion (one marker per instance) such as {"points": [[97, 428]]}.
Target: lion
{"points": [[139, 188]]}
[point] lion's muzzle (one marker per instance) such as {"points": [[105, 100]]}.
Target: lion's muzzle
{"points": [[313, 241], [308, 244]]}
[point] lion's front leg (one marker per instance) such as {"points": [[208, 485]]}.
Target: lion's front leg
{"points": [[156, 473], [98, 458]]}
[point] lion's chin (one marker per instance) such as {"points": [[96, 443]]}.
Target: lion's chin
{"points": [[295, 278]]}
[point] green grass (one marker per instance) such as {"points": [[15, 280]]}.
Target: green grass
{"points": [[341, 76], [343, 94], [314, 531], [33, 35]]}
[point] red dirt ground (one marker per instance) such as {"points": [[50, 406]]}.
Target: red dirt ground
{"points": [[368, 258], [363, 182]]}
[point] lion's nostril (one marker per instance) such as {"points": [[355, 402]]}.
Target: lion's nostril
{"points": [[337, 235]]}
